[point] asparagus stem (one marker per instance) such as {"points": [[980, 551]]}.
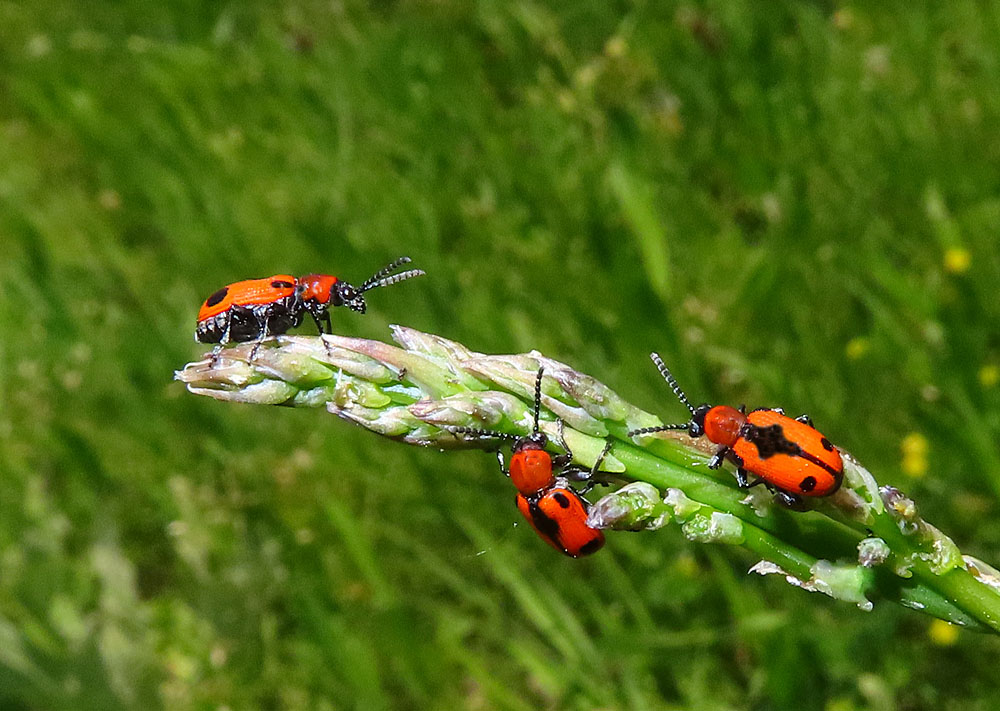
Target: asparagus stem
{"points": [[862, 545]]}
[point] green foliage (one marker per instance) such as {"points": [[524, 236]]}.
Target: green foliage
{"points": [[793, 203]]}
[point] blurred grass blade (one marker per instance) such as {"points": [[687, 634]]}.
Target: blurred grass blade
{"points": [[637, 203]]}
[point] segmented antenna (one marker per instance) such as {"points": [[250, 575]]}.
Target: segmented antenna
{"points": [[484, 434], [493, 434], [538, 396], [661, 428], [382, 278], [668, 376]]}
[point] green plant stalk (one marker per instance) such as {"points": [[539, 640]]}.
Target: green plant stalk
{"points": [[862, 545]]}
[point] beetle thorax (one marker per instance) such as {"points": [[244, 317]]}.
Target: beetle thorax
{"points": [[531, 465], [723, 424], [316, 289]]}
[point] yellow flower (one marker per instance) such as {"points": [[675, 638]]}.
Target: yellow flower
{"points": [[857, 347], [914, 450], [943, 634], [957, 260], [989, 375]]}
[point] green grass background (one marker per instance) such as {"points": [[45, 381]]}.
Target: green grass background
{"points": [[770, 194]]}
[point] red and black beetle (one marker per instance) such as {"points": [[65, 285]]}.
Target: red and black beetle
{"points": [[553, 508], [789, 456], [253, 309]]}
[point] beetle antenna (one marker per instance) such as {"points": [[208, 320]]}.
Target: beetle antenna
{"points": [[482, 434], [382, 278], [538, 396], [650, 430], [668, 376]]}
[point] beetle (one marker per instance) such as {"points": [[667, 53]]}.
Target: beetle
{"points": [[254, 309], [556, 511], [789, 456]]}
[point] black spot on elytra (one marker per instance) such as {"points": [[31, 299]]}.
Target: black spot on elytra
{"points": [[281, 285], [217, 296], [592, 545], [546, 527], [770, 441], [826, 444], [808, 484], [561, 499]]}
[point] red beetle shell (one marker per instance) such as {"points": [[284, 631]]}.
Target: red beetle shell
{"points": [[789, 454], [251, 292], [559, 515]]}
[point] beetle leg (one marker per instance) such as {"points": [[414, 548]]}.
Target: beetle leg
{"points": [[329, 329], [503, 465], [589, 486], [222, 341], [319, 327], [720, 454], [563, 460], [590, 475], [225, 333], [743, 480], [789, 500], [214, 355], [262, 321], [600, 459], [253, 351], [779, 410], [323, 326], [805, 419]]}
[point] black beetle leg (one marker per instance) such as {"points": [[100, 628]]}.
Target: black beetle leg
{"points": [[600, 459], [222, 341], [561, 461], [592, 479], [589, 475], [329, 329], [805, 419], [322, 331], [502, 463], [720, 455], [790, 500], [263, 321], [588, 487]]}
